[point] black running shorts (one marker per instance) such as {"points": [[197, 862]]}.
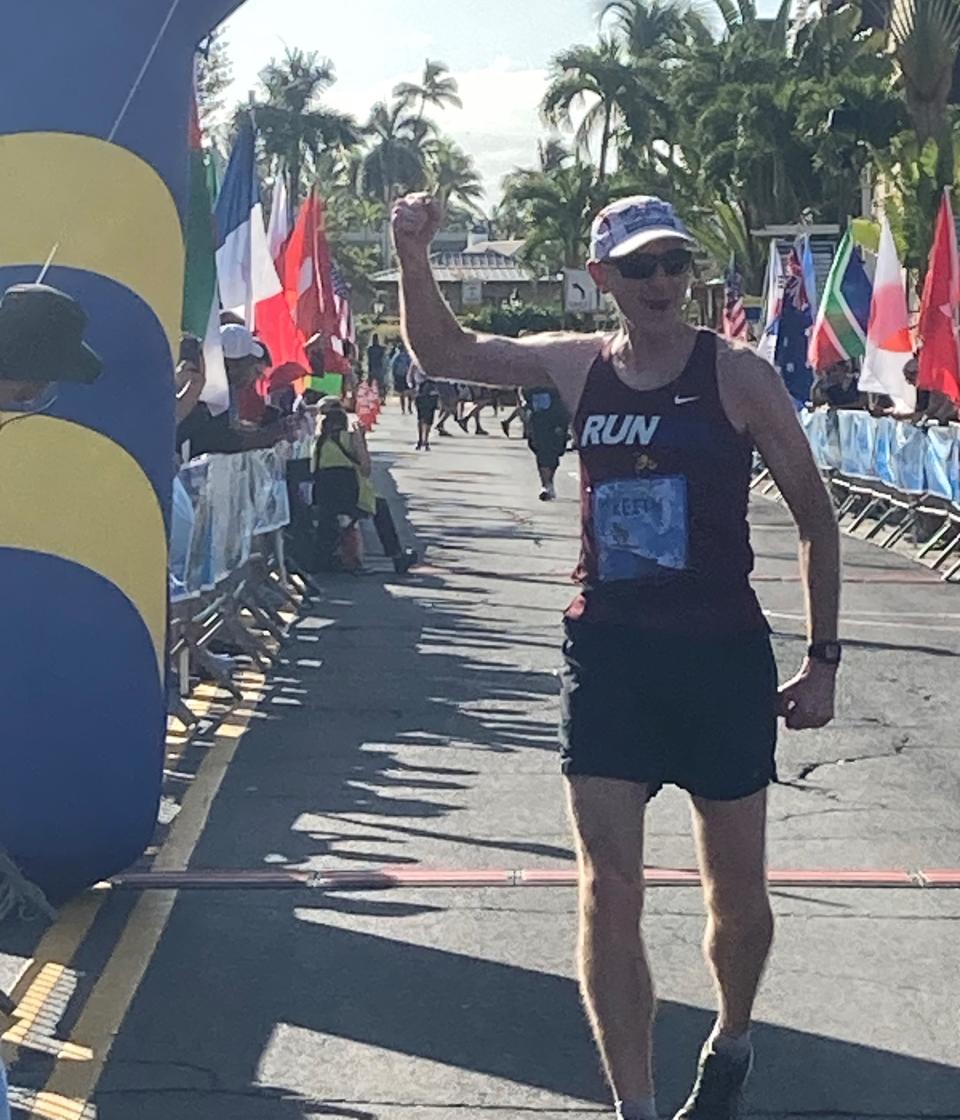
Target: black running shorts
{"points": [[426, 409], [696, 712]]}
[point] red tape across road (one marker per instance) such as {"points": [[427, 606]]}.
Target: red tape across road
{"points": [[411, 878]]}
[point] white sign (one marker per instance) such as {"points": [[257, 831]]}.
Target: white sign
{"points": [[580, 294], [472, 293]]}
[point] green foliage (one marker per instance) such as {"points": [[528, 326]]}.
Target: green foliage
{"points": [[512, 321], [739, 120], [395, 162], [214, 75], [296, 129], [554, 209]]}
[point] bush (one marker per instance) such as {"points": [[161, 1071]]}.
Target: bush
{"points": [[511, 321]]}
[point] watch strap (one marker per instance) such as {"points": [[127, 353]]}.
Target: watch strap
{"points": [[827, 652]]}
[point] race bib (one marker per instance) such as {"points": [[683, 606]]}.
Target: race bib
{"points": [[641, 527]]}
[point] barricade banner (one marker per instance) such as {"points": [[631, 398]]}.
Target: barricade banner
{"points": [[883, 450], [941, 463], [181, 532], [199, 571], [268, 491], [900, 455], [857, 440], [831, 443], [822, 433], [909, 446]]}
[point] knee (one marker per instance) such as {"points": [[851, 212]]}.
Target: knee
{"points": [[743, 910], [608, 890]]}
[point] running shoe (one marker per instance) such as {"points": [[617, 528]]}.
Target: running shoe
{"points": [[718, 1091], [461, 424], [547, 494], [405, 561], [506, 428], [480, 431]]}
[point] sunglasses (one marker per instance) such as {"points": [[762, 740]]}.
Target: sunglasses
{"points": [[643, 266]]}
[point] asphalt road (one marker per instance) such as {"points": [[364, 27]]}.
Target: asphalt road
{"points": [[413, 724]]}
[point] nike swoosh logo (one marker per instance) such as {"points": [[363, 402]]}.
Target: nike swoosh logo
{"points": [[685, 400]]}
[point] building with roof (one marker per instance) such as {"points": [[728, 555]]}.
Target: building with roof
{"points": [[483, 273]]}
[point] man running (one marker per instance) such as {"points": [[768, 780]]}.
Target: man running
{"points": [[547, 425], [669, 674]]}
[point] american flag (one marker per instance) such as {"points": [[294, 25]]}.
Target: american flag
{"points": [[795, 285], [341, 306], [734, 314]]}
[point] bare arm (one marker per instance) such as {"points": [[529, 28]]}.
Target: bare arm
{"points": [[446, 351], [190, 384], [757, 402]]}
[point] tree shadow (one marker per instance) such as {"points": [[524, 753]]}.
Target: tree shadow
{"points": [[238, 1010]]}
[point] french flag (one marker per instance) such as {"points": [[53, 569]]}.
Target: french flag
{"points": [[249, 284]]}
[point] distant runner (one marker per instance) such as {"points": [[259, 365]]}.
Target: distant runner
{"points": [[669, 675], [547, 425]]}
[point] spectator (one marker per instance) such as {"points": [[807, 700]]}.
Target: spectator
{"points": [[246, 359], [41, 343], [228, 433], [837, 387], [376, 370], [344, 495], [353, 376], [933, 407], [189, 379]]}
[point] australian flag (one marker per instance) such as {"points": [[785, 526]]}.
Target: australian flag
{"points": [[796, 319]]}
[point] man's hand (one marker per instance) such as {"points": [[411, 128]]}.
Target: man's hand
{"points": [[807, 701], [415, 220], [187, 374]]}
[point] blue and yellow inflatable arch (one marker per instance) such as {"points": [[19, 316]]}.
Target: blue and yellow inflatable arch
{"points": [[93, 171]]}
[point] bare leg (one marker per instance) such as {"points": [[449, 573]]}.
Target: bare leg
{"points": [[731, 849], [505, 423], [615, 983]]}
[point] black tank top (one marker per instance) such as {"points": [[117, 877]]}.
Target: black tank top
{"points": [[664, 490]]}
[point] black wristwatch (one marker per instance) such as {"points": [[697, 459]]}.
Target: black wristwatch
{"points": [[827, 652]]}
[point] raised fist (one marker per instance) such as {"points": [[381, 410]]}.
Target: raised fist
{"points": [[415, 220]]}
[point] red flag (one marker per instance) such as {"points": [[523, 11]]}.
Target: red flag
{"points": [[940, 350], [307, 280]]}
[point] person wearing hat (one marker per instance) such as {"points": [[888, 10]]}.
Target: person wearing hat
{"points": [[41, 343], [234, 430], [344, 494], [669, 675]]}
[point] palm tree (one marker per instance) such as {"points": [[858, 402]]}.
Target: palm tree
{"points": [[452, 176], [657, 29], [737, 13], [556, 209], [926, 36], [395, 162], [552, 153], [435, 88], [296, 128], [597, 77]]}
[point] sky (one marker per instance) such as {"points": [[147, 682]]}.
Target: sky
{"points": [[498, 50]]}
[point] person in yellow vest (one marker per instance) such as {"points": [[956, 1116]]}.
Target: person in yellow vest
{"points": [[344, 495]]}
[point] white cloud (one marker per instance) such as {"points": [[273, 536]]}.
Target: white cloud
{"points": [[499, 124]]}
